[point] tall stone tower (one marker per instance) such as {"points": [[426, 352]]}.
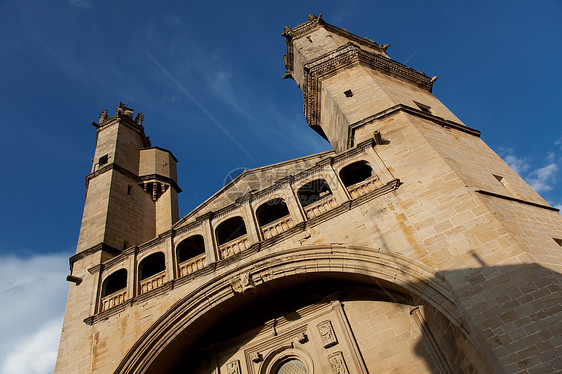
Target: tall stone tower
{"points": [[411, 247]]}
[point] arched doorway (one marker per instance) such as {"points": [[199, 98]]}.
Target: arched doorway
{"points": [[290, 306]]}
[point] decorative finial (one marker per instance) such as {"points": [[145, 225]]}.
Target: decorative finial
{"points": [[434, 79], [121, 108], [139, 118], [385, 47], [103, 116]]}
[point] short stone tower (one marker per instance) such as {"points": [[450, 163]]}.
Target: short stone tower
{"points": [[411, 247], [132, 191]]}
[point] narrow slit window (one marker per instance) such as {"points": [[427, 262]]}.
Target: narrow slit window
{"points": [[348, 93], [129, 189]]}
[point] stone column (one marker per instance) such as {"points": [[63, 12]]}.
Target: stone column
{"points": [[132, 272], [378, 165], [338, 189], [252, 227], [171, 268], [211, 248], [292, 200]]}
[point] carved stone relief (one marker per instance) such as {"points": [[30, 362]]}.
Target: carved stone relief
{"points": [[327, 334], [337, 363], [233, 367]]}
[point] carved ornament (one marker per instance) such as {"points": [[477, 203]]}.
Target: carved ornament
{"points": [[327, 334]]}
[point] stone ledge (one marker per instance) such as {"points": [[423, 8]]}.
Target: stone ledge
{"points": [[488, 193]]}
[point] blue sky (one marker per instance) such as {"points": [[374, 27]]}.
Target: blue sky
{"points": [[207, 77]]}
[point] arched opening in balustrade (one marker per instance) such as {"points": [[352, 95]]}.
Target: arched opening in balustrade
{"points": [[313, 191], [232, 236], [113, 290], [152, 272], [230, 229], [152, 265], [190, 247], [273, 217], [355, 173], [114, 283], [191, 255], [358, 178]]}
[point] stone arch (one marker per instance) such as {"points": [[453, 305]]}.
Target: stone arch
{"points": [[151, 265], [397, 271], [313, 191], [114, 282], [355, 172]]}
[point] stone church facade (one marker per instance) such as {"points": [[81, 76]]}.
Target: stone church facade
{"points": [[410, 247]]}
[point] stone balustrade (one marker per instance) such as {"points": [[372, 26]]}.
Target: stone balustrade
{"points": [[193, 264], [114, 299], [319, 207], [277, 227], [364, 187], [152, 282], [234, 246]]}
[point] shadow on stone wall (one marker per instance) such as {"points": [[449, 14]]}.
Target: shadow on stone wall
{"points": [[510, 317], [497, 318]]}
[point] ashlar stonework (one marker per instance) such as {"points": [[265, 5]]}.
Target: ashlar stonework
{"points": [[410, 247]]}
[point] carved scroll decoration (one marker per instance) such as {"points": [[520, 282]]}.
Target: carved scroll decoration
{"points": [[327, 334], [337, 363]]}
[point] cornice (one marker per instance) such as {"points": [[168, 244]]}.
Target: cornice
{"points": [[521, 201], [345, 57], [361, 148], [112, 166], [92, 250], [226, 210], [151, 244], [144, 178], [312, 24], [404, 108], [188, 227], [160, 178]]}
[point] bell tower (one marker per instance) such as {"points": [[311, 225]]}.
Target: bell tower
{"points": [[131, 192], [349, 81]]}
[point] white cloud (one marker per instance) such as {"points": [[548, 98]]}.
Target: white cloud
{"points": [[541, 179], [36, 354], [33, 292], [520, 165]]}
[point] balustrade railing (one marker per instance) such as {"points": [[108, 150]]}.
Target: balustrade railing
{"points": [[152, 282], [319, 207], [193, 264], [277, 227], [361, 188], [114, 299], [234, 246]]}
